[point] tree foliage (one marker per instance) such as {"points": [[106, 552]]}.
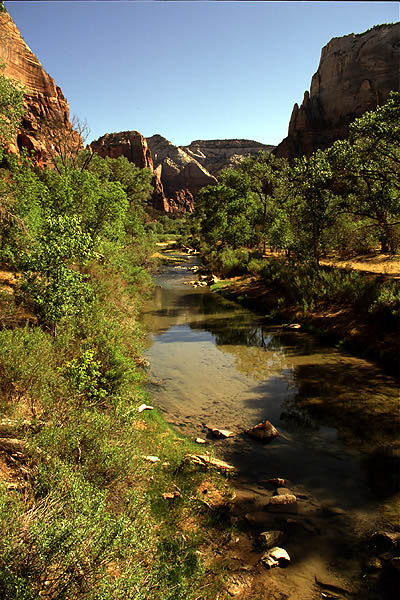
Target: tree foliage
{"points": [[11, 108], [337, 199], [57, 221]]}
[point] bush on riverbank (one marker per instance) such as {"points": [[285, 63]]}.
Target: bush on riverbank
{"points": [[355, 310], [82, 511], [308, 287]]}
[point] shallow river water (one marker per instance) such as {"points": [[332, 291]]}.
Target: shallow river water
{"points": [[214, 362]]}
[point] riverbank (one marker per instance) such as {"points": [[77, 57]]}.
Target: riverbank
{"points": [[335, 323], [214, 362], [97, 495]]}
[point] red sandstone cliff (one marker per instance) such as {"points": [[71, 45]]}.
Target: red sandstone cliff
{"points": [[130, 144], [44, 101], [355, 74], [133, 146]]}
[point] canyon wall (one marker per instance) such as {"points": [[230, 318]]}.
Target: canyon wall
{"points": [[134, 147], [355, 74], [216, 155], [44, 101], [179, 172]]}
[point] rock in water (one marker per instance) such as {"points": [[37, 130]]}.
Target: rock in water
{"points": [[205, 460], [220, 433], [264, 431], [283, 503], [275, 557]]}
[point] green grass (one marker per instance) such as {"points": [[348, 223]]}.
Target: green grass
{"points": [[82, 512]]}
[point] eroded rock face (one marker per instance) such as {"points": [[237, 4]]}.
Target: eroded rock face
{"points": [[130, 144], [179, 170], [356, 73], [44, 101], [133, 145], [216, 155]]}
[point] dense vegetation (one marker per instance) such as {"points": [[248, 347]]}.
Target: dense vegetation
{"points": [[341, 201], [82, 512]]}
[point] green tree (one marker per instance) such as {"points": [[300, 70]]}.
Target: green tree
{"points": [[66, 220], [367, 169], [316, 206], [11, 109], [226, 216], [136, 183], [259, 175]]}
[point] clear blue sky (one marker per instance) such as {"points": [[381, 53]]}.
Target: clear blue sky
{"points": [[188, 70]]}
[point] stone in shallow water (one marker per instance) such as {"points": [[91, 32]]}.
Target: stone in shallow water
{"points": [[282, 491], [275, 557], [264, 431], [275, 481], [220, 433], [284, 503], [204, 460]]}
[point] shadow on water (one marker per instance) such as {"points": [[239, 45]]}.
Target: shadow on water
{"points": [[213, 361]]}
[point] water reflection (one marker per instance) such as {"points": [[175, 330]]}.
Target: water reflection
{"points": [[271, 373], [214, 362]]}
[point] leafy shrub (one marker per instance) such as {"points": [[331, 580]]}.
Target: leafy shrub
{"points": [[387, 301], [86, 377], [27, 368], [255, 266]]}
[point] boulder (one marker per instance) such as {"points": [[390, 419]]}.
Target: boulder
{"points": [[282, 491], [220, 433], [275, 482], [385, 541], [270, 539], [395, 562], [275, 557], [264, 431], [204, 460]]}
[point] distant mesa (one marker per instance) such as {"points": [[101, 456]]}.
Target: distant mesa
{"points": [[179, 171], [216, 155], [356, 74], [130, 144]]}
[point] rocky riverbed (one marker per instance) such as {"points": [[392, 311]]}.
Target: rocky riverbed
{"points": [[327, 482]]}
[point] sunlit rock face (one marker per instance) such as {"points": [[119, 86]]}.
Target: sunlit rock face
{"points": [[44, 101], [184, 170], [133, 145], [356, 73], [179, 170], [130, 144], [216, 155]]}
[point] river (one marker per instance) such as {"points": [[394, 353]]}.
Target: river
{"points": [[214, 362]]}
